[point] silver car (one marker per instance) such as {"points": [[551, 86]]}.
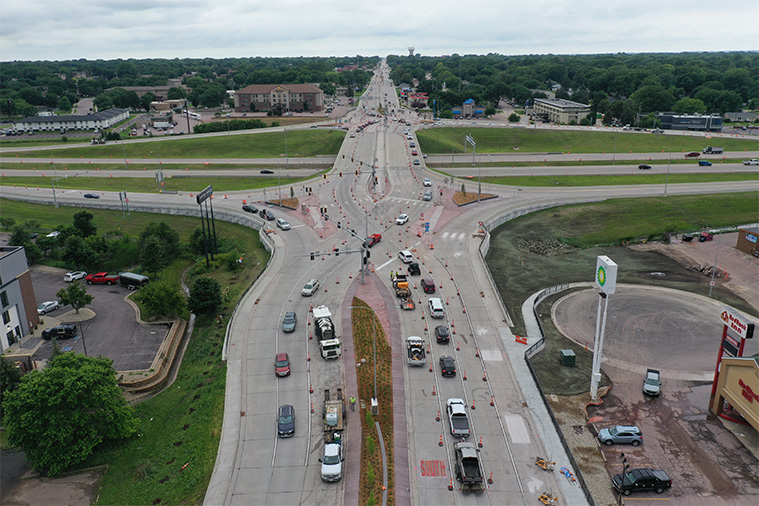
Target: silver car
{"points": [[289, 322], [621, 434]]}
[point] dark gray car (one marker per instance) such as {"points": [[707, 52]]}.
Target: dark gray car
{"points": [[286, 421], [288, 324]]}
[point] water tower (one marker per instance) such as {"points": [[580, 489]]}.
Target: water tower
{"points": [[411, 51]]}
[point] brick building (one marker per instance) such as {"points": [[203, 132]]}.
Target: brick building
{"points": [[282, 97]]}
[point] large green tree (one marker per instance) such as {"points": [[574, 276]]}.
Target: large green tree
{"points": [[162, 298], [74, 295], [10, 379], [205, 297], [60, 414], [83, 223], [152, 255]]}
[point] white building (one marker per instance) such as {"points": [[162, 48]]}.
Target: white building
{"points": [[101, 120], [558, 110]]}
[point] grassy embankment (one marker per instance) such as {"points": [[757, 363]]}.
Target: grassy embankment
{"points": [[600, 229], [182, 424]]}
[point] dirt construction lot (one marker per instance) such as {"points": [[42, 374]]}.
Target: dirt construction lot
{"points": [[679, 334]]}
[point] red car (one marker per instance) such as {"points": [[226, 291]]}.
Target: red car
{"points": [[692, 154], [373, 239], [282, 364]]}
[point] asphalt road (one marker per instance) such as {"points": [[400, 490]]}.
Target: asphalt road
{"points": [[254, 466]]}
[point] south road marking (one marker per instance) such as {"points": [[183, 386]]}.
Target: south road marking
{"points": [[432, 468]]}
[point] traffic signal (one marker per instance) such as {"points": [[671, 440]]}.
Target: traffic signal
{"points": [[312, 256], [341, 174], [357, 172], [337, 252], [376, 180], [325, 176]]}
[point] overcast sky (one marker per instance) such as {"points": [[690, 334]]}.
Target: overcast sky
{"points": [[111, 29]]}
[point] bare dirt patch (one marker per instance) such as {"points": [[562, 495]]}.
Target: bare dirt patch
{"points": [[462, 199]]}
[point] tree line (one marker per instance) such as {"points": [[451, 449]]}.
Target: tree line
{"points": [[618, 85], [26, 87]]}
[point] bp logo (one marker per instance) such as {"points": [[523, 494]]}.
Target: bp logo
{"points": [[601, 275]]}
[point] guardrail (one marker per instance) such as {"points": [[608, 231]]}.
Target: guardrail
{"points": [[531, 352]]}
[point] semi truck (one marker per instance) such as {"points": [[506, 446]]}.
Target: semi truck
{"points": [[415, 349], [469, 469], [329, 343]]}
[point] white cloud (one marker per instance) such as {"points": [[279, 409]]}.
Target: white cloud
{"points": [[55, 30]]}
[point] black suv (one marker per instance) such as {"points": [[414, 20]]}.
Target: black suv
{"points": [[413, 269], [642, 479], [249, 208], [442, 334], [63, 331], [266, 214]]}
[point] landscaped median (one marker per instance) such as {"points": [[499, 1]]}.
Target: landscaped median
{"points": [[364, 327]]}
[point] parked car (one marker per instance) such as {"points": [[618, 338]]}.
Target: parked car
{"points": [[73, 276], [249, 209], [644, 166], [636, 480], [63, 331], [91, 196], [289, 322], [400, 220], [310, 288], [704, 163], [447, 366], [282, 364], [283, 224], [621, 434], [46, 307], [442, 334], [286, 421]]}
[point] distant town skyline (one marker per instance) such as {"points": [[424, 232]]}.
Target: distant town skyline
{"points": [[86, 29]]}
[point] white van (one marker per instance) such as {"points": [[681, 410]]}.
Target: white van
{"points": [[406, 256], [436, 308]]}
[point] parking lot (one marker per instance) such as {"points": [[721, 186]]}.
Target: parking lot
{"points": [[678, 334], [113, 332]]}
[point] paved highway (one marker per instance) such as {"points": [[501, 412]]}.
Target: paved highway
{"points": [[254, 466]]}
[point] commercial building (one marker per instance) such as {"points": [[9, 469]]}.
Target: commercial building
{"points": [[558, 110], [689, 122], [468, 109], [279, 97], [738, 388], [17, 301], [101, 120], [747, 241]]}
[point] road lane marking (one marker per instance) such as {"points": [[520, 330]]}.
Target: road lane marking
{"points": [[432, 468], [491, 355], [517, 429]]}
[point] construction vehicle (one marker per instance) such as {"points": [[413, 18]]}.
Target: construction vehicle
{"points": [[400, 283], [334, 445], [415, 349], [329, 343]]}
